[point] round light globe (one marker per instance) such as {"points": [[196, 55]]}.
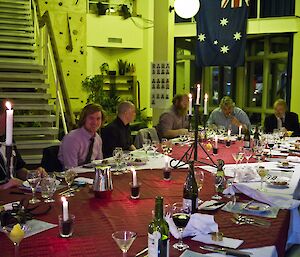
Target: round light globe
{"points": [[186, 8]]}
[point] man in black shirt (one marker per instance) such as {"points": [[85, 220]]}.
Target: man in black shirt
{"points": [[117, 133]]}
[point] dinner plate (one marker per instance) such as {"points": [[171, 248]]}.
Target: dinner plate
{"points": [[257, 207], [137, 161], [290, 166], [276, 183]]}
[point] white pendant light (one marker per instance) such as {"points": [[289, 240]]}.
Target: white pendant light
{"points": [[186, 8]]}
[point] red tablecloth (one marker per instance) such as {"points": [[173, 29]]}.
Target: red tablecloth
{"points": [[97, 219]]}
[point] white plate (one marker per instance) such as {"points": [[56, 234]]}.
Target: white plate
{"points": [[290, 166], [26, 184], [272, 183], [262, 207]]}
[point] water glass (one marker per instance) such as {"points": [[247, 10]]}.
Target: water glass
{"points": [[34, 179], [48, 187]]}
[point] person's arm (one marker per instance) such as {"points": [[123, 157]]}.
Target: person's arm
{"points": [[14, 182], [110, 141], [69, 149], [242, 119], [166, 122]]}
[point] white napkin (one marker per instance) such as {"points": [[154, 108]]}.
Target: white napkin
{"points": [[246, 174], [89, 181], [198, 224], [226, 242], [293, 159], [37, 226], [277, 201]]}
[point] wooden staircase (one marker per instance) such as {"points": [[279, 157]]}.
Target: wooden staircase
{"points": [[23, 81]]}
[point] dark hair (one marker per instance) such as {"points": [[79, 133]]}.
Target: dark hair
{"points": [[90, 109], [178, 98]]}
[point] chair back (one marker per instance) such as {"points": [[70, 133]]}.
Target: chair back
{"points": [[145, 133], [50, 161]]}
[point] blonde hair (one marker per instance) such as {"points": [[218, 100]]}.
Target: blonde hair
{"points": [[226, 101], [90, 109], [280, 102]]}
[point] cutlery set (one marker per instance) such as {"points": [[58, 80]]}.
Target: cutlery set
{"points": [[69, 191], [245, 220]]}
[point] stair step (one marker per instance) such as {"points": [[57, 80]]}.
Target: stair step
{"points": [[41, 107], [20, 76], [21, 67], [25, 95], [23, 85], [14, 17], [25, 47], [32, 158], [34, 118], [18, 54], [20, 40], [14, 34], [16, 22], [14, 6], [18, 60], [14, 11], [36, 144], [16, 27], [26, 2], [35, 131]]}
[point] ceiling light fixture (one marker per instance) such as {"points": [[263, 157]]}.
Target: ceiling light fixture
{"points": [[186, 8]]}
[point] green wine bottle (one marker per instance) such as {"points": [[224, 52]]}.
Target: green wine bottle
{"points": [[158, 232], [190, 191]]}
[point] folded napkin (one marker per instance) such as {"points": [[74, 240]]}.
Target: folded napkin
{"points": [[226, 242], [293, 159], [276, 201], [198, 224], [89, 181], [245, 174]]}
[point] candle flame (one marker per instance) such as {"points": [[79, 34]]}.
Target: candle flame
{"points": [[206, 96], [190, 96], [198, 85], [63, 199], [8, 105]]}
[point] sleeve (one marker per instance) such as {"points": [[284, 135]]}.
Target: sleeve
{"points": [[296, 125], [244, 119], [19, 162], [110, 139], [210, 120], [166, 122], [69, 149]]}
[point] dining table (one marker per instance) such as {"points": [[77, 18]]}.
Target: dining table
{"points": [[97, 218]]}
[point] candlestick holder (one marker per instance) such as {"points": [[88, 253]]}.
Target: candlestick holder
{"points": [[135, 190], [9, 160], [191, 154]]}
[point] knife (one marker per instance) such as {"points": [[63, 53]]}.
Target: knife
{"points": [[142, 252], [214, 204], [226, 251]]}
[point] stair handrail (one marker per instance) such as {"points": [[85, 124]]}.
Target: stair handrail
{"points": [[45, 21]]}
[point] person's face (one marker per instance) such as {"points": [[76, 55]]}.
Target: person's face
{"points": [[227, 110], [131, 113], [93, 122], [2, 123], [183, 104], [279, 110]]}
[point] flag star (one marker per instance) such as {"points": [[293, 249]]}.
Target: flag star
{"points": [[216, 42], [201, 37], [224, 49], [237, 36], [223, 22]]}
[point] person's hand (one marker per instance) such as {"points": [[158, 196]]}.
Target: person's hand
{"points": [[235, 121], [42, 172], [13, 182], [182, 131]]}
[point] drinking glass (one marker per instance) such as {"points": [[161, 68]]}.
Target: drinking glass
{"points": [[236, 157], [146, 145], [262, 172], [117, 156], [48, 187], [124, 240], [271, 143], [154, 146], [181, 215], [199, 176], [241, 156], [69, 178], [247, 154], [219, 180], [34, 179]]}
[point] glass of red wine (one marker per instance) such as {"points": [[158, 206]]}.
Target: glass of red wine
{"points": [[181, 215], [271, 143]]}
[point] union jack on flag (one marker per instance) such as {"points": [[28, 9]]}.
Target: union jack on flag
{"points": [[234, 3]]}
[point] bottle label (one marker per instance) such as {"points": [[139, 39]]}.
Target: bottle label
{"points": [[188, 203], [153, 244]]}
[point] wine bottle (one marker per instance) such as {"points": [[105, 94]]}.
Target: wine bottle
{"points": [[256, 136], [190, 191], [220, 176], [247, 138], [158, 232]]}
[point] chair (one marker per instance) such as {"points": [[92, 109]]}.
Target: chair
{"points": [[145, 133], [50, 161]]}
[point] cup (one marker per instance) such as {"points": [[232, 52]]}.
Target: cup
{"points": [[167, 174], [215, 151], [135, 190], [66, 227], [228, 143]]}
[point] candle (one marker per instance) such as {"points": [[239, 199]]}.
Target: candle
{"points": [[198, 94], [65, 209], [229, 133], [9, 123], [166, 162], [134, 177], [216, 141], [205, 104], [240, 130], [190, 104]]}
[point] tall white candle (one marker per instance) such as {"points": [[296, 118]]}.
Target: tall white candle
{"points": [[229, 133], [166, 162], [205, 104], [134, 177], [216, 141], [240, 131], [198, 94], [65, 209], [9, 123], [190, 104]]}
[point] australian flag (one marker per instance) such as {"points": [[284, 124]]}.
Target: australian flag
{"points": [[221, 32]]}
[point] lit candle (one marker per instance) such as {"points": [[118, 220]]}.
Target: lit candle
{"points": [[9, 123], [166, 162], [190, 104], [229, 133], [65, 209], [198, 94], [216, 141], [240, 130], [134, 177], [205, 104]]}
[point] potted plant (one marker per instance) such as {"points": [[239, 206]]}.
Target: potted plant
{"points": [[122, 67]]}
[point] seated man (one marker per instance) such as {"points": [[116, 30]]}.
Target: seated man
{"points": [[20, 170], [229, 116], [117, 133], [282, 119], [174, 122], [84, 144]]}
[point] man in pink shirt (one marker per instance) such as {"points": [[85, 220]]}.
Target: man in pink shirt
{"points": [[84, 144]]}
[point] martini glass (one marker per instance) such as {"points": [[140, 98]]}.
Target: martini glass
{"points": [[16, 234], [69, 178], [124, 240], [199, 176], [34, 179]]}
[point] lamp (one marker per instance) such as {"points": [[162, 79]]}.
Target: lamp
{"points": [[186, 8]]}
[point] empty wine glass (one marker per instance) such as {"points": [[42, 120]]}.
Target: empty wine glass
{"points": [[34, 179], [48, 187], [154, 146], [181, 215], [124, 240], [236, 157], [219, 180], [146, 145], [69, 178], [247, 154], [241, 156], [199, 177], [118, 155]]}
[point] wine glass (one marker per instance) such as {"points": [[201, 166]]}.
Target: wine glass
{"points": [[154, 146], [34, 179], [219, 180], [124, 240], [199, 177], [241, 156], [117, 156], [247, 154], [271, 143], [69, 178], [146, 145], [236, 157], [181, 215], [48, 187], [262, 172], [16, 234]]}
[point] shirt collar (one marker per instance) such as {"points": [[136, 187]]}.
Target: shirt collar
{"points": [[85, 133]]}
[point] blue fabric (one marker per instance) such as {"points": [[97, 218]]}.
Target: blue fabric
{"points": [[212, 36]]}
